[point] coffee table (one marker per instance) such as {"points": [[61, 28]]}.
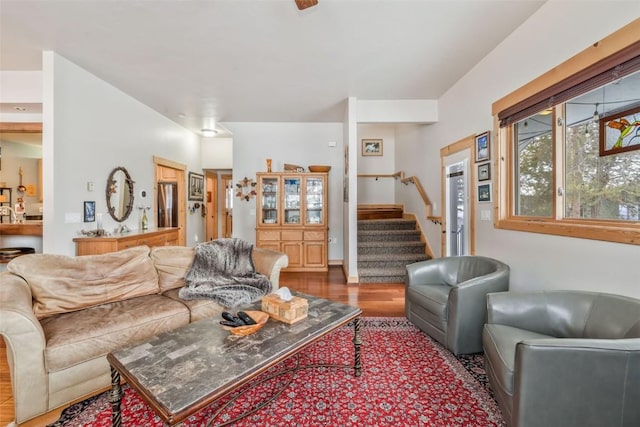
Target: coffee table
{"points": [[182, 371]]}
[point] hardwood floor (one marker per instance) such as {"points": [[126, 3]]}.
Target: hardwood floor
{"points": [[375, 300]]}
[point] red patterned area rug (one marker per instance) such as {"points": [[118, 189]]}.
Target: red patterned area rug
{"points": [[408, 379]]}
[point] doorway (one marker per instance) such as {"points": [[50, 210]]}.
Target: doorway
{"points": [[457, 209], [458, 193], [211, 206], [228, 194], [170, 172]]}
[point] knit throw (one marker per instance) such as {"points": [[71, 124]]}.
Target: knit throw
{"points": [[223, 271]]}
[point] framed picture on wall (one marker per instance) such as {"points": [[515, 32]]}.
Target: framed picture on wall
{"points": [[484, 193], [483, 151], [619, 132], [89, 211], [372, 147], [196, 186], [484, 172]]}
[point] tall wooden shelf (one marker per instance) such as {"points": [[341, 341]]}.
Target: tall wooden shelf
{"points": [[291, 217]]}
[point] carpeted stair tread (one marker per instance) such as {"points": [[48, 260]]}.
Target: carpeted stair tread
{"points": [[382, 275], [386, 235], [386, 224], [390, 247], [385, 257]]}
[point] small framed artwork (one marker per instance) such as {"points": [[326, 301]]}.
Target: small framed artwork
{"points": [[482, 147], [196, 186], [620, 132], [484, 172], [89, 211], [484, 193], [372, 147]]}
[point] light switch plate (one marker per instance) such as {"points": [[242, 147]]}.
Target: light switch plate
{"points": [[485, 215], [72, 217]]}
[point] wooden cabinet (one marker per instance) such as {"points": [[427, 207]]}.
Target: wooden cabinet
{"points": [[291, 217], [104, 244]]}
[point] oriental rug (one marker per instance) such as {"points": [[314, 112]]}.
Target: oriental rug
{"points": [[408, 379]]}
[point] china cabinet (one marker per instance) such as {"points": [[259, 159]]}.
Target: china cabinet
{"points": [[291, 217]]}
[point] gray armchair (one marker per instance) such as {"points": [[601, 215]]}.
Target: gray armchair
{"points": [[446, 298], [564, 358]]}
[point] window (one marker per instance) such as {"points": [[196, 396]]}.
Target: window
{"points": [[534, 166], [570, 148]]}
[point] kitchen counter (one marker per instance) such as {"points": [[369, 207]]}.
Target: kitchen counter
{"points": [[27, 228]]}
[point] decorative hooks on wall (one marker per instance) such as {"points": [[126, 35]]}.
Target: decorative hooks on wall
{"points": [[246, 189]]}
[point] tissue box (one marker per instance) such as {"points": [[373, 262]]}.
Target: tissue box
{"points": [[285, 311]]}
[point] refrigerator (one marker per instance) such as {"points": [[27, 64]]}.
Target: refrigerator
{"points": [[167, 204]]}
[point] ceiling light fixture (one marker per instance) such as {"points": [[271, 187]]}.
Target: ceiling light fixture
{"points": [[596, 116], [209, 132]]}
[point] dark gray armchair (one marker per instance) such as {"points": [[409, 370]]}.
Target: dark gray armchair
{"points": [[564, 358], [446, 298]]}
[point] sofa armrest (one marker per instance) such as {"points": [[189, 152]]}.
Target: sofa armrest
{"points": [[270, 263], [602, 375], [423, 272], [25, 341]]}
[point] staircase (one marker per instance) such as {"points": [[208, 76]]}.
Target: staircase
{"points": [[385, 247]]}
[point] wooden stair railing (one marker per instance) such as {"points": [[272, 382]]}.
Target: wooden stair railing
{"points": [[382, 175], [423, 194]]}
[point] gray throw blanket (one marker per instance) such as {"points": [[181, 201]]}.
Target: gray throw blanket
{"points": [[223, 270]]}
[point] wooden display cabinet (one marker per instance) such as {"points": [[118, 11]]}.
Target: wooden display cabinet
{"points": [[292, 218]]}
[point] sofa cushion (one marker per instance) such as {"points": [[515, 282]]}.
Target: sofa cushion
{"points": [[198, 308], [500, 350], [62, 284], [73, 338], [172, 263]]}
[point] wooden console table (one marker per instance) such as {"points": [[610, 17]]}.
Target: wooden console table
{"points": [[117, 242]]}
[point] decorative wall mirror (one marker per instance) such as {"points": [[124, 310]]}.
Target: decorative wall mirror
{"points": [[119, 194]]}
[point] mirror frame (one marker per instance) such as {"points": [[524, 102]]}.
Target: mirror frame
{"points": [[110, 190]]}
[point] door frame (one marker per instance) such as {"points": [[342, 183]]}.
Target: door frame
{"points": [[182, 194], [466, 143], [226, 178]]}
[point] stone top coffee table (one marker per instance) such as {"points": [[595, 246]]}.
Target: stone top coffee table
{"points": [[182, 371]]}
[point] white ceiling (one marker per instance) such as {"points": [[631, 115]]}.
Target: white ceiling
{"points": [[261, 61]]}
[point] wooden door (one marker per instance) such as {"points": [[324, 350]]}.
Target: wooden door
{"points": [[211, 206], [226, 205]]}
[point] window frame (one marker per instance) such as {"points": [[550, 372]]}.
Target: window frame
{"points": [[627, 232]]}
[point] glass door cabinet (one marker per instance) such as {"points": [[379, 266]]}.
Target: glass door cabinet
{"points": [[292, 218]]}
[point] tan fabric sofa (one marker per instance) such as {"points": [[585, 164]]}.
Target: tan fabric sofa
{"points": [[61, 315]]}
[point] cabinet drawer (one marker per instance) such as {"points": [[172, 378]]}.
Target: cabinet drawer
{"points": [[314, 235], [152, 241], [129, 243], [268, 235], [291, 235]]}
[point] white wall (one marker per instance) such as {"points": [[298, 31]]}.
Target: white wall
{"points": [[382, 190], [217, 153], [557, 31], [89, 128], [301, 144]]}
